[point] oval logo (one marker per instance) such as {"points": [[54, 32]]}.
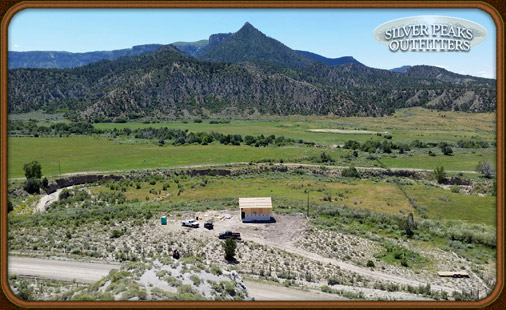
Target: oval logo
{"points": [[428, 33]]}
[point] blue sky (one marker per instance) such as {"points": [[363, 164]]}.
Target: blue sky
{"points": [[328, 32]]}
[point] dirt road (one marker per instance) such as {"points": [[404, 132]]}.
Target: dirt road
{"points": [[284, 233], [47, 200], [92, 272], [59, 270], [263, 291], [346, 266]]}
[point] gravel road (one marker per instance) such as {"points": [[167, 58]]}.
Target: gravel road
{"points": [[367, 272], [47, 200], [58, 269], [262, 291]]}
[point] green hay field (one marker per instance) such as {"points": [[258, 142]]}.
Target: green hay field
{"points": [[405, 125], [84, 153], [440, 204]]}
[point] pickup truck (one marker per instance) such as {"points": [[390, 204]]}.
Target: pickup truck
{"points": [[209, 224], [191, 223], [228, 234]]}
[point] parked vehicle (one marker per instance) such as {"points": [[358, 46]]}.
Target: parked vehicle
{"points": [[209, 224], [229, 234], [175, 254], [453, 274], [191, 223]]}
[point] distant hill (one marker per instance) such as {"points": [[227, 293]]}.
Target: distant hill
{"points": [[400, 69], [250, 45], [330, 61], [62, 60], [256, 75], [191, 48]]}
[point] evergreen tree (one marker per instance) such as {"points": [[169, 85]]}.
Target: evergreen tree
{"points": [[229, 246]]}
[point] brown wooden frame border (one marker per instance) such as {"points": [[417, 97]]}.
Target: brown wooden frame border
{"points": [[257, 4]]}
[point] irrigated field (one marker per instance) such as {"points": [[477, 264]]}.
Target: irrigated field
{"points": [[84, 153], [405, 125]]}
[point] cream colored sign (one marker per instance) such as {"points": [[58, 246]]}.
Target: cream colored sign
{"points": [[428, 33]]}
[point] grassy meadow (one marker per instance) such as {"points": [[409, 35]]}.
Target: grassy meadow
{"points": [[86, 153], [289, 193], [405, 125], [80, 154]]}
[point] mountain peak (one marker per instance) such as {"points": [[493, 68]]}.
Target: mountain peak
{"points": [[251, 45], [248, 28]]}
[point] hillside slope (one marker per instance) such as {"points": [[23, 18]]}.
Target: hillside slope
{"points": [[246, 72]]}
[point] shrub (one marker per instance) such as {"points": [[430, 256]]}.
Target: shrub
{"points": [[186, 289], [455, 189], [33, 169], [25, 292], [326, 289], [216, 270], [486, 169], [350, 172], [404, 262], [195, 279], [229, 287], [440, 174], [445, 148], [116, 234], [325, 158], [32, 186], [351, 144], [370, 263], [333, 280], [229, 246]]}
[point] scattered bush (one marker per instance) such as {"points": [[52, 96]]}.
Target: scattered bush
{"points": [[350, 172], [440, 174], [32, 186], [486, 169], [116, 234]]}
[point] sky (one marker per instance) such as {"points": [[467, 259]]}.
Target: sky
{"points": [[329, 32]]}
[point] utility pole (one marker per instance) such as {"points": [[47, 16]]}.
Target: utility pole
{"points": [[307, 212]]}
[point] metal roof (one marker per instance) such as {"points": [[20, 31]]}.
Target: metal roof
{"points": [[255, 202]]}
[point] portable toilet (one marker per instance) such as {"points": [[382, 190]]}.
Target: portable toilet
{"points": [[164, 220]]}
